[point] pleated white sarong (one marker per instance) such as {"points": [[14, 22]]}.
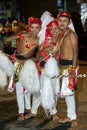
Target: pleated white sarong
{"points": [[6, 69], [29, 77], [49, 86]]}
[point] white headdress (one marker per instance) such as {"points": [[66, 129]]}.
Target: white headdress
{"points": [[71, 26], [46, 18]]}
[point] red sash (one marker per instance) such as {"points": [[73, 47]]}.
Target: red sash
{"points": [[72, 81]]}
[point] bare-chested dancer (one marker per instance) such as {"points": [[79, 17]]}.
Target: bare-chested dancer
{"points": [[68, 63], [26, 74], [48, 69]]}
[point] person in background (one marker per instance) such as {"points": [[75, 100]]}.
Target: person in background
{"points": [[68, 48], [22, 24]]}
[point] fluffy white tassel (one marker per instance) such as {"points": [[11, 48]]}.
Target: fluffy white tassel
{"points": [[46, 18], [3, 79], [6, 64], [29, 77], [49, 86], [51, 67]]}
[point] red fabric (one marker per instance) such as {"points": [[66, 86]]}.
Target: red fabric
{"points": [[57, 56], [39, 68], [34, 20], [38, 64], [46, 58], [13, 85], [48, 34], [71, 81], [21, 37], [13, 57], [65, 14], [24, 89], [52, 23], [43, 53]]}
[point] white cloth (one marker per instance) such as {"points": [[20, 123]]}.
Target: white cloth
{"points": [[6, 64], [46, 18], [71, 109], [3, 78], [71, 26], [11, 85], [36, 102], [23, 99], [65, 91], [6, 69], [29, 77], [69, 96], [50, 86]]}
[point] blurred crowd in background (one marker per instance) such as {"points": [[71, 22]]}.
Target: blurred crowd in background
{"points": [[7, 28]]}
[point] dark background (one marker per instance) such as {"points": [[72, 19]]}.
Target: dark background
{"points": [[28, 8]]}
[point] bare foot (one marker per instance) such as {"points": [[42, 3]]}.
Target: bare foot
{"points": [[55, 117], [65, 120], [30, 115], [74, 123], [21, 117]]}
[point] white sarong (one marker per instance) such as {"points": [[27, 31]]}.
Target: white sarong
{"points": [[29, 77], [49, 86], [6, 69]]}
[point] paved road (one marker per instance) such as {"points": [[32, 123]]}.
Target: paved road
{"points": [[38, 123]]}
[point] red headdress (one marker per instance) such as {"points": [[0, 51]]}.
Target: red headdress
{"points": [[65, 14], [48, 34], [34, 20], [52, 23]]}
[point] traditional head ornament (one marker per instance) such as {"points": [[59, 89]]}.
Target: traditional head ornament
{"points": [[47, 33], [46, 18], [45, 15], [52, 23], [34, 20], [65, 14]]}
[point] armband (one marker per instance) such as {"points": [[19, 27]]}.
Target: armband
{"points": [[13, 57], [21, 37]]}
